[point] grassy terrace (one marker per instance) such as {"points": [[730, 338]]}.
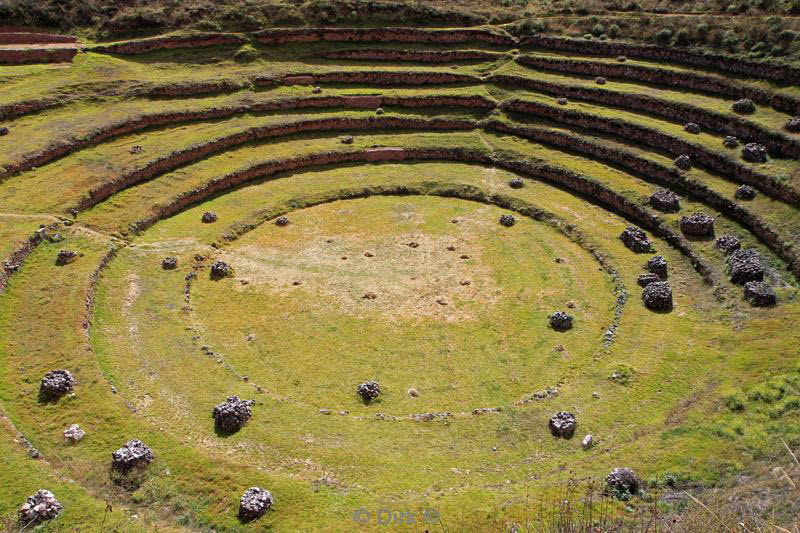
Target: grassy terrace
{"points": [[461, 317]]}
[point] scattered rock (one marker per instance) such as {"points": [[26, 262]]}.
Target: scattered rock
{"points": [[465, 282], [232, 414], [657, 265], [666, 201], [793, 125], [368, 254], [697, 225], [412, 392], [759, 294], [562, 424], [133, 454], [730, 141], [745, 265], [516, 183], [39, 507], [728, 244], [561, 101], [647, 278], [136, 149], [691, 127], [369, 390], [441, 301], [3, 131], [209, 217], [254, 503], [657, 296], [622, 481], [169, 263], [560, 321], [570, 305], [596, 395], [65, 257], [56, 384], [316, 90], [636, 240], [507, 220], [281, 221], [347, 139], [587, 442], [220, 269], [325, 411], [745, 106], [600, 80], [622, 59], [412, 244], [379, 111], [683, 162], [754, 153], [369, 296], [74, 434], [745, 192], [464, 256]]}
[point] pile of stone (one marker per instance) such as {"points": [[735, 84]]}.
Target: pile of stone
{"points": [[209, 217], [561, 101], [369, 390], [647, 278], [745, 192], [560, 321], [691, 127], [657, 296], [622, 59], [683, 162], [745, 106], [728, 244], [220, 269], [657, 265], [507, 220], [56, 384], [636, 240], [759, 294], [134, 454], [754, 153], [697, 225], [600, 80], [516, 183], [379, 111], [730, 141], [347, 139], [39, 507], [3, 131], [232, 414], [562, 424], [65, 257], [793, 125], [666, 201], [254, 503], [622, 481], [136, 149], [169, 263], [316, 90], [74, 434], [745, 265], [282, 221]]}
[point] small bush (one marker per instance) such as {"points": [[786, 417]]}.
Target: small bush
{"points": [[246, 53], [613, 31], [663, 37]]}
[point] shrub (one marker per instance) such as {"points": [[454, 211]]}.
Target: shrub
{"points": [[730, 40], [613, 31], [682, 38], [246, 53], [663, 36], [598, 29]]}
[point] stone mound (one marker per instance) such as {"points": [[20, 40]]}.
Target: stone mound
{"points": [[745, 106], [666, 201], [793, 125], [347, 139], [220, 269], [759, 294], [697, 225], [745, 192], [379, 111], [282, 221], [42, 505], [691, 127], [647, 278], [622, 59], [683, 162], [730, 141], [73, 434], [232, 414], [657, 296], [516, 183], [600, 80], [561, 101], [657, 265], [754, 153], [729, 244], [562, 424], [65, 257], [369, 390], [3, 131], [133, 454], [254, 503], [507, 220], [136, 149], [560, 321], [56, 384], [636, 240], [622, 481], [169, 263], [745, 265], [209, 217]]}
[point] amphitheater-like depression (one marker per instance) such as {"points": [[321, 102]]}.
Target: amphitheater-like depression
{"points": [[388, 269]]}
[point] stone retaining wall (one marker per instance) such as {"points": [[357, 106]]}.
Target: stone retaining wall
{"points": [[421, 56], [35, 38], [14, 56], [381, 35], [168, 42]]}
